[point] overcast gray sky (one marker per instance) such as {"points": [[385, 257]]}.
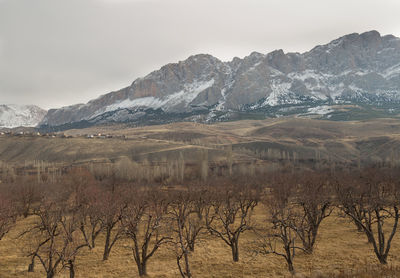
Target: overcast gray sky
{"points": [[61, 52]]}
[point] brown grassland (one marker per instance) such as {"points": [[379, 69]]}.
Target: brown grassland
{"points": [[339, 142], [340, 252]]}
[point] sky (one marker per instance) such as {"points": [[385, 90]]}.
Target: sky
{"points": [[55, 53]]}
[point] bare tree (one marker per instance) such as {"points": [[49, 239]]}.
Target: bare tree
{"points": [[313, 199], [54, 237], [90, 214], [7, 214], [144, 223], [43, 237], [229, 214], [180, 209], [372, 204], [71, 236], [204, 167], [76, 185], [26, 193], [196, 224], [187, 221], [345, 185], [229, 159], [110, 211], [88, 199], [279, 238]]}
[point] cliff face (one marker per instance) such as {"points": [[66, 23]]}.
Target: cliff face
{"points": [[356, 68]]}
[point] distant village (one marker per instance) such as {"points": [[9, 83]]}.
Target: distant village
{"points": [[57, 135]]}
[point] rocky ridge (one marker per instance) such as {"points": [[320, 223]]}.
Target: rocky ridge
{"points": [[353, 69]]}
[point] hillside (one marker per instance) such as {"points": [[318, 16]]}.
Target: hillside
{"points": [[291, 139]]}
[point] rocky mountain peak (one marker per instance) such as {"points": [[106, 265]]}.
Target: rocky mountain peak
{"points": [[279, 60], [371, 36]]}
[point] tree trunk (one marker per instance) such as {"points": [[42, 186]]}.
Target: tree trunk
{"points": [[93, 243], [308, 249], [71, 270], [235, 251], [31, 266], [142, 268], [184, 273], [50, 274], [106, 253], [308, 244], [290, 266], [289, 257], [382, 260], [187, 267]]}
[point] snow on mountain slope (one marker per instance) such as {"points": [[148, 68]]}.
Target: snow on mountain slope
{"points": [[20, 115], [185, 97]]}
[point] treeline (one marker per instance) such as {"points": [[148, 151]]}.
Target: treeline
{"points": [[78, 212]]}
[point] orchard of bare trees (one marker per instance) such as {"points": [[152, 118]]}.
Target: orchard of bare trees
{"points": [[78, 212]]}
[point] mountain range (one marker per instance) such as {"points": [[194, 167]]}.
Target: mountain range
{"points": [[354, 76], [12, 116]]}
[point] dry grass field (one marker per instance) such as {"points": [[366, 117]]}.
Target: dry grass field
{"points": [[340, 252], [306, 139]]}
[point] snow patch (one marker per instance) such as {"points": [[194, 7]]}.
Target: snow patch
{"points": [[336, 91], [139, 102], [278, 90], [362, 73], [254, 66], [318, 95], [392, 71], [355, 89], [305, 75], [275, 72], [221, 104], [388, 49], [320, 110]]}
